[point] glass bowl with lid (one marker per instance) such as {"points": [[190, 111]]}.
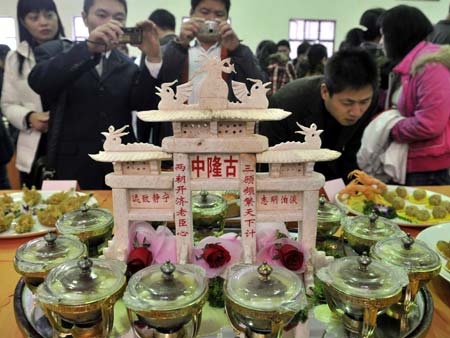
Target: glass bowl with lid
{"points": [[358, 288], [93, 226], [262, 300], [329, 218], [167, 297], [208, 212], [34, 259], [361, 232], [421, 263], [78, 296]]}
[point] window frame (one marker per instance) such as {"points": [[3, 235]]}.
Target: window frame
{"points": [[296, 42], [6, 39], [76, 37]]}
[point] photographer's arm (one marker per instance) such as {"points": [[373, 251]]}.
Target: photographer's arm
{"points": [[56, 69]]}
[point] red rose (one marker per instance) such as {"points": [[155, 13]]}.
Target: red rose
{"points": [[138, 259], [215, 255], [291, 257]]}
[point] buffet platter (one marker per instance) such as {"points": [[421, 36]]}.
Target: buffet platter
{"points": [[72, 200], [355, 205], [431, 236], [323, 324]]}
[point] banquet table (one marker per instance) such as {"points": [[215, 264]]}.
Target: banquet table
{"points": [[440, 288]]}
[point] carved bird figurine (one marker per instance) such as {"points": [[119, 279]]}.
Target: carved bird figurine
{"points": [[170, 99], [311, 135], [256, 98], [113, 137]]}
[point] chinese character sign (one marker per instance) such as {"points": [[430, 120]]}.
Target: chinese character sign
{"points": [[182, 206], [214, 166], [150, 199], [279, 200], [248, 206]]}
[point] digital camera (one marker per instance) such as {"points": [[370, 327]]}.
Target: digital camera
{"points": [[132, 35], [209, 27]]}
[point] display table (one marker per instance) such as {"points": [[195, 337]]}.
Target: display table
{"points": [[439, 288]]}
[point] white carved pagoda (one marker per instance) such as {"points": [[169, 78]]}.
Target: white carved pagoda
{"points": [[214, 147]]}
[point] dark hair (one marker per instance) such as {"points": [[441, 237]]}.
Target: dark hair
{"points": [[350, 69], [316, 54], [303, 47], [163, 19], [266, 48], [370, 20], [195, 3], [353, 38], [27, 6], [4, 49], [403, 28], [284, 43], [89, 3]]}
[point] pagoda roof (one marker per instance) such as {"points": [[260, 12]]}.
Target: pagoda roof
{"points": [[297, 155], [132, 152], [213, 115]]}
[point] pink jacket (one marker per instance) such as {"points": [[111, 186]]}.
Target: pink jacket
{"points": [[425, 102]]}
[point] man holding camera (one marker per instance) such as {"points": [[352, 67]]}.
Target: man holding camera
{"points": [[89, 86], [206, 33]]}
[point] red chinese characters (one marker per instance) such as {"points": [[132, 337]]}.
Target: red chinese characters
{"points": [[278, 201], [213, 166], [148, 199], [248, 198], [181, 192]]}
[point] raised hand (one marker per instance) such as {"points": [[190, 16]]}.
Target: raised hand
{"points": [[150, 41], [228, 38], [105, 37]]}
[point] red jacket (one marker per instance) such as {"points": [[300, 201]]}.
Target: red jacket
{"points": [[425, 102]]}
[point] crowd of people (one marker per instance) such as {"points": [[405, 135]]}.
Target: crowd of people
{"points": [[59, 95]]}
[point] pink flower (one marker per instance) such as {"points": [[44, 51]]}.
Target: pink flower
{"points": [[162, 242], [284, 252], [216, 254], [267, 233]]}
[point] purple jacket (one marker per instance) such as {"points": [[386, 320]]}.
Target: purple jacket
{"points": [[425, 102]]}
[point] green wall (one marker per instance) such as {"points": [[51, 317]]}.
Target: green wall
{"points": [[255, 20]]}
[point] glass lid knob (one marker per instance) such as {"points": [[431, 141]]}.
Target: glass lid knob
{"points": [[50, 238], [168, 269], [373, 218], [364, 261], [322, 200], [264, 271], [85, 264], [408, 241]]}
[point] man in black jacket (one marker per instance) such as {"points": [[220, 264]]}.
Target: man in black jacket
{"points": [[341, 103], [90, 86], [207, 33]]}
